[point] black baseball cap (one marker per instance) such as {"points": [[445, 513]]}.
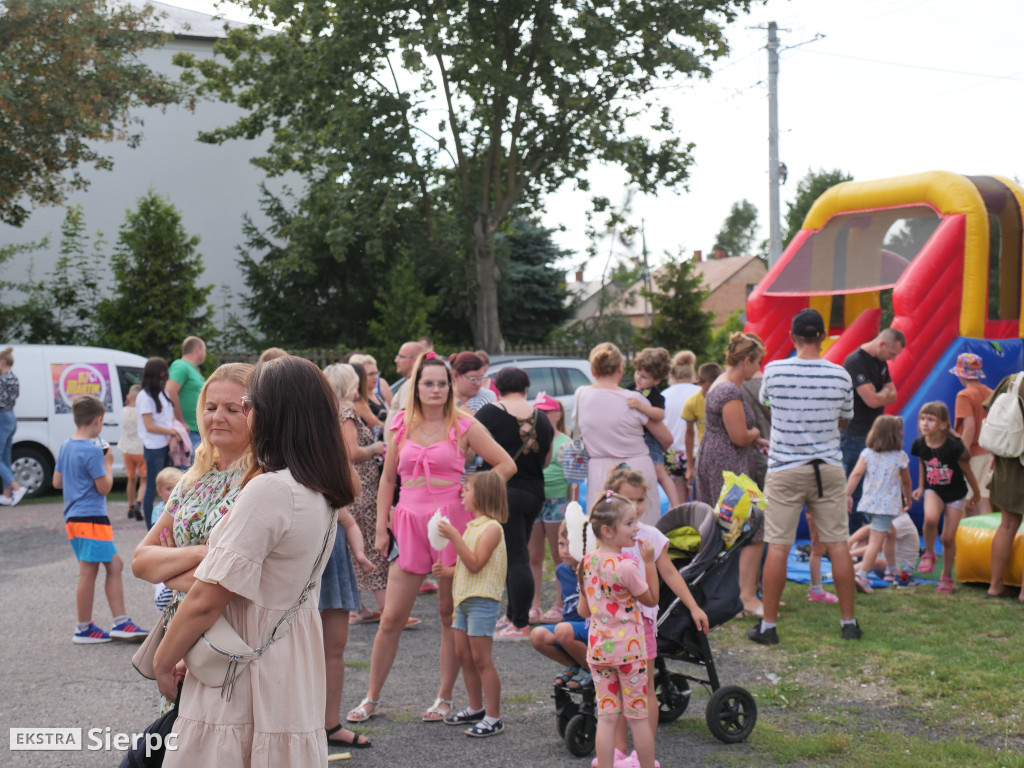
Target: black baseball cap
{"points": [[807, 324]]}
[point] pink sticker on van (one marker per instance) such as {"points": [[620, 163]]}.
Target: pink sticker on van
{"points": [[71, 380]]}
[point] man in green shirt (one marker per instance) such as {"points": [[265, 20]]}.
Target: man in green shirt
{"points": [[184, 385]]}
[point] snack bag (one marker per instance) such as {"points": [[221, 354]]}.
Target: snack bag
{"points": [[739, 494]]}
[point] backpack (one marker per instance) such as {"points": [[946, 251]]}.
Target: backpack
{"points": [[1002, 430]]}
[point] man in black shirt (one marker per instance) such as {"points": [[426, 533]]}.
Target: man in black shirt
{"points": [[873, 389]]}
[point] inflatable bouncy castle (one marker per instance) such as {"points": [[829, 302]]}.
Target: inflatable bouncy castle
{"points": [[944, 251]]}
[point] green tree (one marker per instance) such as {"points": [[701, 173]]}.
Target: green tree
{"points": [[720, 336], [69, 78], [676, 301], [533, 93], [532, 294], [61, 308], [739, 230], [156, 301], [810, 188]]}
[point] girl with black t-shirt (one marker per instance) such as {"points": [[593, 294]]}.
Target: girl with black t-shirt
{"points": [[945, 465]]}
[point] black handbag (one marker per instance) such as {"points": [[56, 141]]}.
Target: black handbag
{"points": [[148, 749]]}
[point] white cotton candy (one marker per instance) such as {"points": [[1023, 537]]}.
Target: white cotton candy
{"points": [[575, 521], [437, 541]]}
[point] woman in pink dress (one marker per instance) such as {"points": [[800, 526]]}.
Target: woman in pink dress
{"points": [[426, 447], [612, 431]]}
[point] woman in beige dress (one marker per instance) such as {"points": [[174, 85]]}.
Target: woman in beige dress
{"points": [[259, 563]]}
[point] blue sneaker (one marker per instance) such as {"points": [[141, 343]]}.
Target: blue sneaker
{"points": [[905, 581], [128, 631], [92, 634]]}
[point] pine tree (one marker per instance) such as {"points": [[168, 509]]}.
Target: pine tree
{"points": [[679, 320], [157, 301]]}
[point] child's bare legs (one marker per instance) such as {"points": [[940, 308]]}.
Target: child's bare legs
{"points": [[470, 675], [114, 586], [543, 531], [449, 662], [933, 507], [84, 593], [953, 516], [131, 488], [682, 488], [876, 542], [485, 673], [890, 550], [543, 641], [576, 649], [643, 739], [604, 741], [668, 485]]}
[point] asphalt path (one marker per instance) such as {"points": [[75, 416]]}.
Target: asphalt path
{"points": [[48, 681]]}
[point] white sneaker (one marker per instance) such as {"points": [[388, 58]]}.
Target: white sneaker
{"points": [[18, 495], [6, 501]]}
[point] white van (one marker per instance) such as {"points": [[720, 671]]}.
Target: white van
{"points": [[49, 378]]}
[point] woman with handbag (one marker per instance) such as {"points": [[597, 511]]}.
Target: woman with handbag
{"points": [[156, 428], [257, 576], [426, 447], [526, 435], [174, 547]]}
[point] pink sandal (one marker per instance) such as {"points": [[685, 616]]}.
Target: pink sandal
{"points": [[945, 585], [927, 564]]}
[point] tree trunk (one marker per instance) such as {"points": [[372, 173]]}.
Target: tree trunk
{"points": [[487, 328]]}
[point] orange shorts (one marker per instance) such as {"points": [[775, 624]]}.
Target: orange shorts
{"points": [[134, 464]]}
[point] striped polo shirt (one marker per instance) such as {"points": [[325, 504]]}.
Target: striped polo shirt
{"points": [[807, 398]]}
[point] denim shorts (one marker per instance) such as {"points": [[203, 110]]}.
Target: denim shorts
{"points": [[878, 522], [477, 616]]}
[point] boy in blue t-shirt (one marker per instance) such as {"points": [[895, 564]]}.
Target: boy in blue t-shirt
{"points": [[85, 473], [566, 642]]}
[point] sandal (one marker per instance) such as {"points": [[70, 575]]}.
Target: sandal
{"points": [[364, 617], [581, 680], [945, 585], [435, 714], [354, 744], [553, 615], [566, 675], [412, 622], [360, 713], [927, 564], [465, 717]]}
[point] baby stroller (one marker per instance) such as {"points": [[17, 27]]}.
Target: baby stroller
{"points": [[712, 574]]}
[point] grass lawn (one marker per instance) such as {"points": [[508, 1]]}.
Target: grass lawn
{"points": [[935, 681]]}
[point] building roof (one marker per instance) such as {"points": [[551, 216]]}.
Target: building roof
{"points": [[182, 22], [714, 272]]}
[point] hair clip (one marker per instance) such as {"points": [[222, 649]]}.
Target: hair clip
{"points": [[610, 494], [430, 355], [622, 465]]}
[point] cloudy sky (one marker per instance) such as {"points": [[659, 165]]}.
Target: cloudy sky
{"points": [[894, 87]]}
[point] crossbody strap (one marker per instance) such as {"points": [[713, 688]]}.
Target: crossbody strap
{"points": [[285, 624]]}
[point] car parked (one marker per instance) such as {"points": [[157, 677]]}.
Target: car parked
{"points": [[559, 377], [50, 377]]}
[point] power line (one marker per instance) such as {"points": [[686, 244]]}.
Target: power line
{"points": [[915, 66]]}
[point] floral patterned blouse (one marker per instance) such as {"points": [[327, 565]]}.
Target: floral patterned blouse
{"points": [[196, 510]]}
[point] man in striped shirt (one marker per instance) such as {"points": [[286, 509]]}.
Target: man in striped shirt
{"points": [[810, 399]]}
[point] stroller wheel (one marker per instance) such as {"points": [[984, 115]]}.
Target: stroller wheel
{"points": [[560, 724], [731, 714], [579, 735], [673, 692]]}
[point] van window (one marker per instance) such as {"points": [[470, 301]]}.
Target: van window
{"points": [[128, 377]]}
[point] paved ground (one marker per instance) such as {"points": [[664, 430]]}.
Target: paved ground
{"points": [[47, 681]]}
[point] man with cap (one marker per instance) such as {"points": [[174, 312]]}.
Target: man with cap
{"points": [[868, 366], [810, 399], [967, 415]]}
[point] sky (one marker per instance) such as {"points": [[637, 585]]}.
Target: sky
{"points": [[894, 87]]}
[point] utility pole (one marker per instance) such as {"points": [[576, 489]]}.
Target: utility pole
{"points": [[775, 230]]}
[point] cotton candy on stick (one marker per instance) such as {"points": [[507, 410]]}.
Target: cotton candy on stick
{"points": [[575, 521], [437, 541]]}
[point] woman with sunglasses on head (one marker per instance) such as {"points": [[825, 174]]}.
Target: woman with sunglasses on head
{"points": [[268, 552], [469, 373], [426, 447]]}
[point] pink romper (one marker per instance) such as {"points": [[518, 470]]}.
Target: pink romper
{"points": [[443, 460]]}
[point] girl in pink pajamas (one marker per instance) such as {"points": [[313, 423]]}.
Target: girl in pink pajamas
{"points": [[611, 586]]}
